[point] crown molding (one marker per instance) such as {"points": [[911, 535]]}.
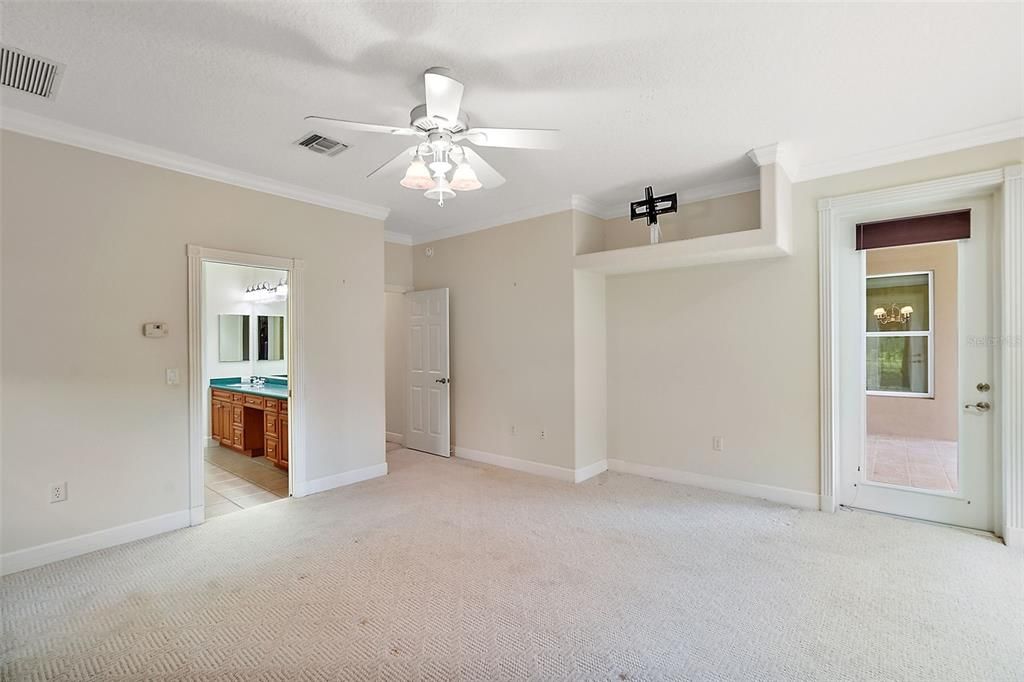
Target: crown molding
{"points": [[398, 238], [997, 132], [778, 154], [586, 205], [497, 221], [46, 128]]}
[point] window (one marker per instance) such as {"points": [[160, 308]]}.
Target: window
{"points": [[898, 331]]}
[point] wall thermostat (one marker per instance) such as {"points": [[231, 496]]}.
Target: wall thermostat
{"points": [[154, 329]]}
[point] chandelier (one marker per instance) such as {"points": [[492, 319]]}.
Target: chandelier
{"points": [[432, 163], [893, 314]]}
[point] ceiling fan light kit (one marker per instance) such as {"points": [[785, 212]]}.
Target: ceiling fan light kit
{"points": [[441, 125], [417, 175]]}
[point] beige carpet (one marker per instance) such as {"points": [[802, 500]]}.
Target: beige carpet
{"points": [[453, 570]]}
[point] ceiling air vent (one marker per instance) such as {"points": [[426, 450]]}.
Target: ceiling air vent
{"points": [[28, 73], [315, 142]]}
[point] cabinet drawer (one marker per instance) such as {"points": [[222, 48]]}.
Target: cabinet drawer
{"points": [[270, 424], [221, 395], [236, 437], [237, 397], [270, 404], [271, 449], [236, 414], [253, 400]]}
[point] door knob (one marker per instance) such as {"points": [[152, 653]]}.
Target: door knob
{"points": [[980, 407], [443, 380]]}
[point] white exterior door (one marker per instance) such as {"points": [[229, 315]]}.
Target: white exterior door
{"points": [[870, 470], [429, 429]]}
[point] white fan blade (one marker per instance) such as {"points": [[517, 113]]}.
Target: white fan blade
{"points": [[516, 138], [362, 127], [485, 173], [400, 161], [444, 94]]}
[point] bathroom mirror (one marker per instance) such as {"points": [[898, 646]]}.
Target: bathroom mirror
{"points": [[234, 338], [270, 337]]}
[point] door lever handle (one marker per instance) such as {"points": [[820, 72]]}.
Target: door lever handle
{"points": [[443, 380], [980, 407]]}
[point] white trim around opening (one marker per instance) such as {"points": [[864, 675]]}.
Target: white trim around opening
{"points": [[197, 398], [1006, 185]]}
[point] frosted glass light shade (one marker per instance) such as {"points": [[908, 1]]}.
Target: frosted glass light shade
{"points": [[417, 176], [464, 179]]}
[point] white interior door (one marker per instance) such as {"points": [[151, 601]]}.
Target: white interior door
{"points": [[429, 428], [870, 460]]}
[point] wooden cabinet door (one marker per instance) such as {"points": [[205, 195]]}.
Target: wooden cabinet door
{"points": [[225, 424], [215, 419], [282, 429]]}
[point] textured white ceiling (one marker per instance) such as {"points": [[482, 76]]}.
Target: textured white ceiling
{"points": [[669, 94]]}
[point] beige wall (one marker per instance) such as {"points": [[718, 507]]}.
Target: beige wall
{"points": [[397, 275], [93, 247], [511, 292], [924, 417], [591, 369], [396, 352], [732, 349], [732, 213], [398, 265]]}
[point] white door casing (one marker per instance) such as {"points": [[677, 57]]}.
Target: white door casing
{"points": [[428, 428], [972, 505], [1006, 186]]}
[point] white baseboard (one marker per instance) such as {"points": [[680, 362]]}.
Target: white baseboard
{"points": [[524, 465], [535, 468], [395, 437], [1013, 537], [590, 471], [319, 485], [30, 557], [793, 498]]}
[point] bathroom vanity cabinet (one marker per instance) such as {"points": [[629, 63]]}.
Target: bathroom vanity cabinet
{"points": [[250, 423]]}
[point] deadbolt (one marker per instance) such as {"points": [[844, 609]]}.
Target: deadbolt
{"points": [[984, 388]]}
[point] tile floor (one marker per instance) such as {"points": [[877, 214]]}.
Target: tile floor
{"points": [[915, 462], [235, 482]]}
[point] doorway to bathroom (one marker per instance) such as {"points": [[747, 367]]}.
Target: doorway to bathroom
{"points": [[242, 333], [245, 459]]}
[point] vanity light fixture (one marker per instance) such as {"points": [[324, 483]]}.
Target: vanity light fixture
{"points": [[263, 291]]}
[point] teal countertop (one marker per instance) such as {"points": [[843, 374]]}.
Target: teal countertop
{"points": [[274, 388]]}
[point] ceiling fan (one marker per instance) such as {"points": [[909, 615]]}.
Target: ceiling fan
{"points": [[443, 129]]}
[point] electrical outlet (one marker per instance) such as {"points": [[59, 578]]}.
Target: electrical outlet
{"points": [[58, 492], [717, 443], [172, 377], [543, 434]]}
